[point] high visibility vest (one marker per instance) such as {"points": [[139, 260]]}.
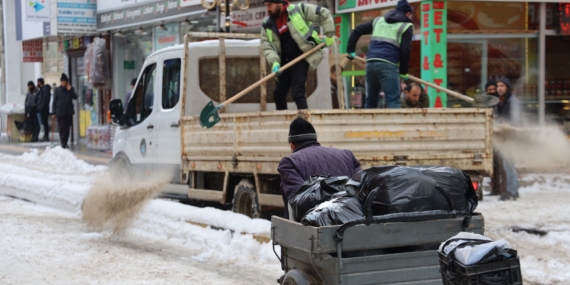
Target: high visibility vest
{"points": [[389, 33], [297, 18]]}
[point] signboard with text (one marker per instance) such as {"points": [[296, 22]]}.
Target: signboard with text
{"points": [[434, 49], [37, 11], [32, 51], [564, 18], [76, 17]]}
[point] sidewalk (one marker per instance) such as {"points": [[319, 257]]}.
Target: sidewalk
{"points": [[79, 148]]}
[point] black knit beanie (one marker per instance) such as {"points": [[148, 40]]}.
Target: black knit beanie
{"points": [[505, 81], [300, 130], [490, 83], [273, 1], [64, 77], [404, 7]]}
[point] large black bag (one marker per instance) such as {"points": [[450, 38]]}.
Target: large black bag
{"points": [[401, 189], [314, 191], [342, 208]]}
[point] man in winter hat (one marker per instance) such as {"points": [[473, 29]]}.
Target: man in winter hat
{"points": [[388, 54], [309, 158], [62, 108], [285, 35]]}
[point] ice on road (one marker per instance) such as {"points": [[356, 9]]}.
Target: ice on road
{"points": [[44, 241]]}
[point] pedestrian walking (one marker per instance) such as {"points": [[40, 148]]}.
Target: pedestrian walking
{"points": [[43, 102], [507, 111], [31, 110], [285, 35], [388, 54], [63, 108], [309, 158]]}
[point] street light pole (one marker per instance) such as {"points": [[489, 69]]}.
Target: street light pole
{"points": [[228, 23]]}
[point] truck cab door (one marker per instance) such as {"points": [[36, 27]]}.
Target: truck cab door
{"points": [[140, 121], [168, 115]]}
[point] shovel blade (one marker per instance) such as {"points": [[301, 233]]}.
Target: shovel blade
{"points": [[209, 115]]}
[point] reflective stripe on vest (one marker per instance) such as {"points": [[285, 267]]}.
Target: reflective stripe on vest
{"points": [[305, 28], [389, 33]]}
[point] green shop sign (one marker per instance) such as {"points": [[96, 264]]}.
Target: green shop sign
{"points": [[434, 49]]}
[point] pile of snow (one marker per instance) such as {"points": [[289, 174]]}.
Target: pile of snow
{"points": [[12, 108], [56, 178]]}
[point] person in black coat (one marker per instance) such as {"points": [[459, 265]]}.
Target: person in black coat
{"points": [[62, 108], [310, 158], [43, 100], [31, 110]]}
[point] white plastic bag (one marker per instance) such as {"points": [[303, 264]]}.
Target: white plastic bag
{"points": [[470, 255]]}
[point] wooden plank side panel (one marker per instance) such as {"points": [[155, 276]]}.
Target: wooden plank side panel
{"points": [[292, 234]]}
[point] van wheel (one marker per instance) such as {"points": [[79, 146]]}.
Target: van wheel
{"points": [[245, 200], [297, 277], [121, 169]]}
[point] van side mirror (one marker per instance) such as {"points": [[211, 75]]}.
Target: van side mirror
{"points": [[116, 108]]}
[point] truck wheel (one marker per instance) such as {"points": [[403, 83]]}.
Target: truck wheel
{"points": [[297, 277], [121, 169], [245, 200]]}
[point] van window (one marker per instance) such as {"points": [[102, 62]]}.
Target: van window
{"points": [[141, 103], [170, 83], [242, 72]]}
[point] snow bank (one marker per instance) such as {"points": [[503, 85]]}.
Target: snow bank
{"points": [[56, 178]]}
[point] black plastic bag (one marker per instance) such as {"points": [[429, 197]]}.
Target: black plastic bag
{"points": [[314, 191], [400, 189], [339, 210]]}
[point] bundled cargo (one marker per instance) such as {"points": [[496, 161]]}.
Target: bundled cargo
{"points": [[341, 209], [314, 191], [469, 258]]}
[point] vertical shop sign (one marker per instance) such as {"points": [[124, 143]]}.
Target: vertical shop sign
{"points": [[341, 27], [434, 49], [32, 51], [564, 18]]}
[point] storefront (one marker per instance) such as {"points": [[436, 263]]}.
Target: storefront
{"points": [[136, 30], [522, 41]]}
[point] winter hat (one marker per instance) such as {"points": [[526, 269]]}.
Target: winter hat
{"points": [[404, 7], [64, 77], [300, 130], [30, 83], [490, 83], [273, 1], [506, 81]]}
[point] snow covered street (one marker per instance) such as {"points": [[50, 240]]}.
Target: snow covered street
{"points": [[44, 240]]}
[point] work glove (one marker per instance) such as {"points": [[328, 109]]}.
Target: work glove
{"points": [[329, 41], [275, 67], [404, 76], [351, 55]]}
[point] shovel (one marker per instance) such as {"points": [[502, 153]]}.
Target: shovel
{"points": [[209, 115], [483, 101]]}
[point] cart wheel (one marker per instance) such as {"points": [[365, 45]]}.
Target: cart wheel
{"points": [[297, 277], [245, 200]]}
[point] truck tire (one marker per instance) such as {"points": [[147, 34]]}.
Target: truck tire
{"points": [[121, 169], [297, 277], [245, 200]]}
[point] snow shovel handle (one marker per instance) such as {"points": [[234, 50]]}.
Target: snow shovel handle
{"points": [[268, 77], [449, 92]]}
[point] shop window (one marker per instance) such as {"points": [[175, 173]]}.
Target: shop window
{"points": [[140, 105], [53, 58], [242, 72], [170, 83]]}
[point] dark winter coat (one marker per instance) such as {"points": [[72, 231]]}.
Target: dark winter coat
{"points": [[310, 159], [384, 50], [63, 102], [509, 111], [43, 99], [30, 106]]}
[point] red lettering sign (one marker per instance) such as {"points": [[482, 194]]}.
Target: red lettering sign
{"points": [[438, 34], [426, 37], [426, 20], [426, 63], [425, 7], [438, 82], [438, 15], [438, 5], [437, 62]]}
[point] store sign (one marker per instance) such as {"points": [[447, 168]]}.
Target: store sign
{"points": [[149, 12], [344, 6], [26, 28], [251, 18], [76, 17], [434, 49], [32, 51], [188, 3], [166, 38], [37, 11], [564, 18], [108, 5]]}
